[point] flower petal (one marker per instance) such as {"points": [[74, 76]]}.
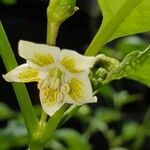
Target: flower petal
{"points": [[39, 54], [50, 100], [80, 90], [75, 62], [22, 73]]}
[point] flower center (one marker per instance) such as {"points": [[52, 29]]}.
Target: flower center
{"points": [[53, 88]]}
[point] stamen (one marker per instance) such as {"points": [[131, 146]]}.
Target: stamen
{"points": [[60, 97], [42, 84], [52, 82], [39, 84], [65, 88], [57, 84]]}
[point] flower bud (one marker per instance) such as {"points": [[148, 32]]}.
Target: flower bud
{"points": [[101, 72], [60, 10]]}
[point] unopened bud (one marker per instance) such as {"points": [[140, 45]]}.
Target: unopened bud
{"points": [[60, 10], [101, 72]]}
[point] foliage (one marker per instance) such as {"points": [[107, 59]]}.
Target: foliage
{"points": [[135, 66], [130, 58], [98, 122]]}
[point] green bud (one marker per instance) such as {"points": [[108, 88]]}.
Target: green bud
{"points": [[99, 81], [57, 12], [94, 83], [107, 62], [60, 10], [85, 110], [101, 72]]}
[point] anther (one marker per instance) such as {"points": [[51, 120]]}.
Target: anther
{"points": [[42, 84], [60, 97], [52, 82], [55, 83], [65, 88]]}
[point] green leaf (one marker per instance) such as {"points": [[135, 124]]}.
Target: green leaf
{"points": [[14, 135], [131, 16], [130, 44], [134, 66], [83, 112], [54, 144], [5, 112], [129, 130], [120, 18], [73, 139], [107, 115], [123, 97], [24, 101]]}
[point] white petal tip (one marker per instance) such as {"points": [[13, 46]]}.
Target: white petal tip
{"points": [[51, 110], [6, 77], [94, 99], [21, 42]]}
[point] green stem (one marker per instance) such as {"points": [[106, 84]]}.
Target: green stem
{"points": [[69, 113], [43, 117], [52, 124], [104, 35], [142, 133], [9, 60], [52, 31], [139, 140], [36, 146], [146, 120]]}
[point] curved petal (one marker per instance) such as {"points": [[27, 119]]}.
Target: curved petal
{"points": [[23, 73], [39, 54], [75, 62], [80, 90], [51, 101]]}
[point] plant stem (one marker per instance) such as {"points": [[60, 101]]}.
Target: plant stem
{"points": [[69, 113], [52, 124], [146, 120], [52, 31], [35, 146], [43, 117], [142, 133], [104, 34], [24, 101]]}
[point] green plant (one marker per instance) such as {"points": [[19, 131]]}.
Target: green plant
{"points": [[122, 19]]}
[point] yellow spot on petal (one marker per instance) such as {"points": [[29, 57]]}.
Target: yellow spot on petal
{"points": [[43, 59], [29, 74], [70, 65], [46, 92], [76, 89]]}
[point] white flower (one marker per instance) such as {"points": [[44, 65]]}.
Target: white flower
{"points": [[62, 76]]}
